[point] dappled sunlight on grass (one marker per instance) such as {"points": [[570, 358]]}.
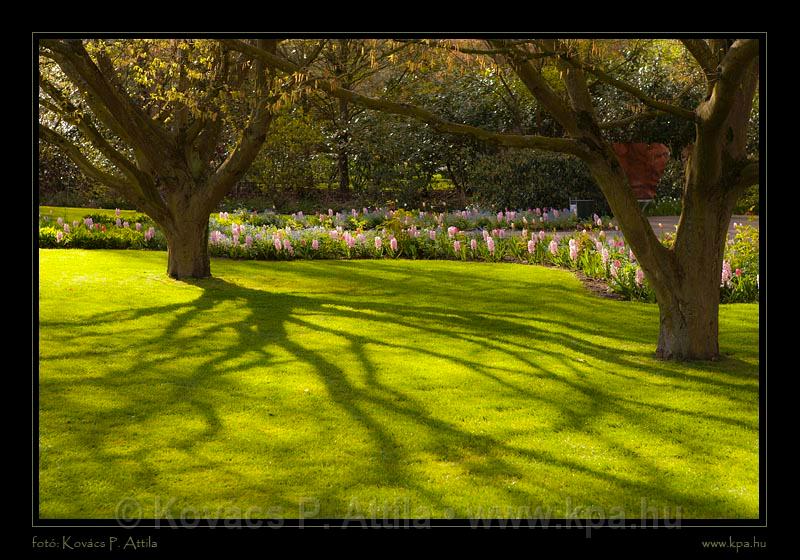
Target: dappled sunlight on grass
{"points": [[445, 385]]}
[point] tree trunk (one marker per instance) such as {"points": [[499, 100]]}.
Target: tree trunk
{"points": [[689, 327], [689, 303], [187, 248]]}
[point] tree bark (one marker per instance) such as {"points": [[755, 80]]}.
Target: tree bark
{"points": [[187, 247]]}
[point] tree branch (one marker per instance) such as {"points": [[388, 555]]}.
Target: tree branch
{"points": [[540, 89], [630, 119], [114, 109], [701, 52], [737, 61], [635, 92], [84, 123], [71, 150], [564, 145]]}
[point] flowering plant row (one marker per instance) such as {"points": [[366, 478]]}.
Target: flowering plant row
{"points": [[597, 253]]}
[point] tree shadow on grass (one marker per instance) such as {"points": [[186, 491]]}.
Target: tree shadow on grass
{"points": [[263, 335]]}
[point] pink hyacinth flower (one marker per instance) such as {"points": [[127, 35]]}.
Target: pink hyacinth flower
{"points": [[248, 240], [456, 246], [117, 212], [501, 234], [639, 276], [393, 244], [59, 236], [573, 249], [615, 266], [490, 244], [315, 244], [553, 247], [66, 228], [726, 274], [631, 256], [118, 222], [138, 226], [604, 255], [276, 242], [378, 242], [451, 231], [60, 221], [531, 246], [739, 272], [473, 244], [126, 225], [499, 216]]}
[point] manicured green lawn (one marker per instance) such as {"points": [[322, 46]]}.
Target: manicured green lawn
{"points": [[408, 388], [71, 214]]}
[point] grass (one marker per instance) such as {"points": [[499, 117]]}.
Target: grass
{"points": [[411, 388], [71, 214]]}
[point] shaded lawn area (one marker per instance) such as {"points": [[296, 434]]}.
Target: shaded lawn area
{"points": [[410, 388]]}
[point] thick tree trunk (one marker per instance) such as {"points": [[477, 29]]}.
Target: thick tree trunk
{"points": [[689, 302], [689, 327], [187, 248]]}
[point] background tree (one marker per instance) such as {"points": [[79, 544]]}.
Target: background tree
{"points": [[171, 125], [557, 74]]}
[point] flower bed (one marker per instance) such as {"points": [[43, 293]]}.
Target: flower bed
{"points": [[534, 237]]}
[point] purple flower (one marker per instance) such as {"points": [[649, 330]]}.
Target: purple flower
{"points": [[531, 246], [138, 226], [541, 235], [59, 236], [248, 240], [66, 228], [456, 246], [473, 244], [502, 233], [118, 222], [315, 244], [148, 235], [554, 247], [378, 242], [432, 234], [393, 244], [598, 246], [75, 223], [60, 221], [555, 213], [88, 222], [126, 225], [500, 216], [330, 212], [117, 212]]}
